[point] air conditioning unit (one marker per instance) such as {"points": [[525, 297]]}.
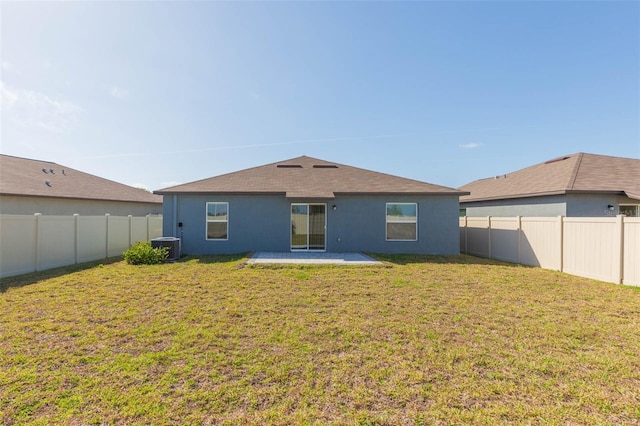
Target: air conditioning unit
{"points": [[172, 243]]}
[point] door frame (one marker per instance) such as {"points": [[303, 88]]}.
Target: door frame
{"points": [[324, 244]]}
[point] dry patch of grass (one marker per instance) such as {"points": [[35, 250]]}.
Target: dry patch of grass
{"points": [[424, 340]]}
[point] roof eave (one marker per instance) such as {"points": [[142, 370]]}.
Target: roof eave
{"points": [[302, 197], [514, 196], [603, 191], [549, 193], [635, 196], [62, 197], [318, 196], [458, 193], [163, 192]]}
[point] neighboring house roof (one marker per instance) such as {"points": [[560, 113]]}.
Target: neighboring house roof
{"points": [[35, 178], [576, 173], [306, 177]]}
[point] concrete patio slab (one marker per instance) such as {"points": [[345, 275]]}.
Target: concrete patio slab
{"points": [[313, 258]]}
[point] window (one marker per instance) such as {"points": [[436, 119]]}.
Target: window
{"points": [[402, 221], [629, 210], [217, 221]]}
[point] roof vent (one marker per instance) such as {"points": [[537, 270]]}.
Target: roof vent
{"points": [[52, 172], [555, 160], [325, 166], [289, 166], [48, 183], [44, 170]]}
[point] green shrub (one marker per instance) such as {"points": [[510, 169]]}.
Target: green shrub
{"points": [[141, 253]]}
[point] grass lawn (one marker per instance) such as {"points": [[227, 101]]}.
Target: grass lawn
{"points": [[420, 340]]}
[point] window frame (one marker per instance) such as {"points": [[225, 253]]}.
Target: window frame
{"points": [[636, 207], [208, 220], [387, 221]]}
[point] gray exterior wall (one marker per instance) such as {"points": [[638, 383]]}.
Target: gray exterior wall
{"points": [[535, 206], [10, 204], [263, 223], [595, 205], [570, 205]]}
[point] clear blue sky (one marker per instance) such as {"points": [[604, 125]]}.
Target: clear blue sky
{"points": [[158, 93]]}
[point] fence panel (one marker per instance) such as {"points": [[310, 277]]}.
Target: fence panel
{"points": [[29, 243], [155, 227], [606, 249], [478, 236], [631, 250], [57, 242], [590, 248], [92, 238], [118, 238], [540, 242], [504, 239], [139, 229], [17, 244]]}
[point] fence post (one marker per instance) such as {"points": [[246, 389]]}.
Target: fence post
{"points": [[619, 249], [489, 235], [37, 242], [519, 221], [561, 239], [148, 227], [106, 249], [76, 244]]}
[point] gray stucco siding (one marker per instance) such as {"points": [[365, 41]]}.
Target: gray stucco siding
{"points": [[595, 205], [263, 223], [533, 206], [169, 221], [360, 223], [255, 223], [570, 205], [10, 204]]}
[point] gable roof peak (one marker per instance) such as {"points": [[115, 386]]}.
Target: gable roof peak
{"points": [[579, 172], [308, 177]]}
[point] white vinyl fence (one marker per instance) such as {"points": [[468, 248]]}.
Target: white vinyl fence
{"points": [[606, 249], [36, 243]]}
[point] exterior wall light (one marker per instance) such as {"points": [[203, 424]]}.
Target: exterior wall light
{"points": [[610, 207], [334, 207]]}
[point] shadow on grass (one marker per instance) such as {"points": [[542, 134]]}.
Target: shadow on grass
{"points": [[214, 258], [34, 277], [463, 259], [241, 260]]}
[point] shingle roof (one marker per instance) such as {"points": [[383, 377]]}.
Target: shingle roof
{"points": [[575, 173], [26, 177], [306, 177]]}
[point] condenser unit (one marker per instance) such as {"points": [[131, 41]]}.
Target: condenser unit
{"points": [[172, 243]]}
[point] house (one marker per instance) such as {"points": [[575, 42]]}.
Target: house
{"points": [[579, 185], [307, 204], [34, 186]]}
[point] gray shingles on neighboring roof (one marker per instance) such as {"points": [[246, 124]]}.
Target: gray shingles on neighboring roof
{"points": [[575, 173], [27, 177], [307, 177]]}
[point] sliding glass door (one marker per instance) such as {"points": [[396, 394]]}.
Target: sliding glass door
{"points": [[308, 227]]}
